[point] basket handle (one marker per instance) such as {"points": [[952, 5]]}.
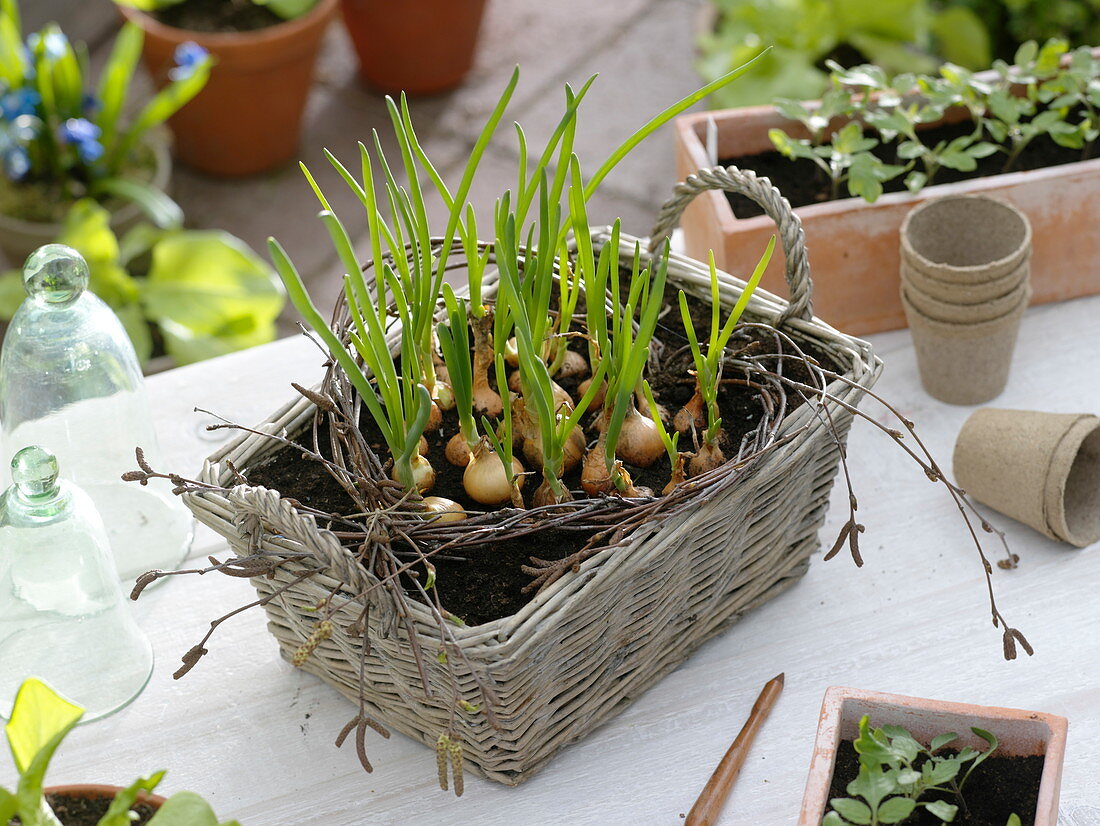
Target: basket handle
{"points": [[746, 182]]}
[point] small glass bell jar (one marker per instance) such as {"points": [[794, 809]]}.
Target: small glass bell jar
{"points": [[63, 616], [70, 380]]}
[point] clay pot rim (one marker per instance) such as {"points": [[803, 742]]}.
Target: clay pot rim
{"points": [[966, 329], [159, 142], [979, 311], [965, 273], [829, 723], [96, 790], [229, 41]]}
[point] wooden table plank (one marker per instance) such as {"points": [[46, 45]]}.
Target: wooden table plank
{"points": [[255, 736]]}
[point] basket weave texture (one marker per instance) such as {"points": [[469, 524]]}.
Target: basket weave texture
{"points": [[597, 638]]}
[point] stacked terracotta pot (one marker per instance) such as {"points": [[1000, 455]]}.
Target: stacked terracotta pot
{"points": [[965, 284]]}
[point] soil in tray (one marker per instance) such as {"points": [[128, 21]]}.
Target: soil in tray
{"points": [[485, 582], [218, 16], [85, 811], [999, 787], [803, 183]]}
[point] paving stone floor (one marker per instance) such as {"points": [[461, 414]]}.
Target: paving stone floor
{"points": [[643, 51]]}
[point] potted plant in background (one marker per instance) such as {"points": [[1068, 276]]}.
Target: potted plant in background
{"points": [[247, 120], [883, 758], [182, 295], [40, 721], [554, 501], [400, 52], [61, 140], [1024, 134]]}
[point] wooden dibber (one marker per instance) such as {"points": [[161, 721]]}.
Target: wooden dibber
{"points": [[713, 797]]}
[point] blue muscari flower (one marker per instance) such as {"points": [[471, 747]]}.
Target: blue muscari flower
{"points": [[19, 102], [188, 56], [84, 135], [89, 104], [17, 163]]}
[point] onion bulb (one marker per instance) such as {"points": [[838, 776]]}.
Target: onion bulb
{"points": [[422, 448], [485, 480], [443, 396], [511, 352], [692, 414], [572, 450], [639, 442], [513, 382], [443, 510], [573, 365], [457, 450], [594, 476], [708, 458], [423, 474], [597, 399], [544, 495], [562, 399], [679, 475], [435, 417]]}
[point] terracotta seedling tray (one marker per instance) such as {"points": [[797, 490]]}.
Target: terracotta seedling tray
{"points": [[854, 245], [1021, 734]]}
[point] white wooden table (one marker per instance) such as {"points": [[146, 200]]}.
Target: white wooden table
{"points": [[255, 736]]}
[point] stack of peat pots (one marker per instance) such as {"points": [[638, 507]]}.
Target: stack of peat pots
{"points": [[965, 284]]}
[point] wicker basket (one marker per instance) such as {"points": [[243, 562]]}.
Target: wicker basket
{"points": [[592, 642]]}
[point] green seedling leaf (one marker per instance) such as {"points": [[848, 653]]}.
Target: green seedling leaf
{"points": [[187, 809], [942, 740], [852, 810], [118, 814], [896, 809], [942, 809]]}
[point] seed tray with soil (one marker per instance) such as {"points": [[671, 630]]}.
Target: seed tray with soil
{"points": [[1000, 787]]}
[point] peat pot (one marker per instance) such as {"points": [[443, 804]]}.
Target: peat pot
{"points": [[593, 641], [247, 118], [855, 245], [1021, 734]]}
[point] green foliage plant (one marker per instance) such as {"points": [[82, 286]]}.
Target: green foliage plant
{"points": [[62, 139], [40, 721], [899, 35], [205, 292], [1046, 92], [897, 774]]}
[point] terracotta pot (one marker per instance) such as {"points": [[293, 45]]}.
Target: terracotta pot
{"points": [[1021, 734], [421, 47], [1042, 469], [93, 791], [19, 238], [965, 362], [855, 245], [247, 118]]}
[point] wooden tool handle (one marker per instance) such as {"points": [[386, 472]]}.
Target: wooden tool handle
{"points": [[709, 805]]}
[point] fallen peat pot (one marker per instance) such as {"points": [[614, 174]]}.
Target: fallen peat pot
{"points": [[1021, 734], [1042, 469], [580, 651], [246, 119], [420, 47]]}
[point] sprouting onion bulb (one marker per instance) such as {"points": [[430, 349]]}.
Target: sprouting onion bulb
{"points": [[485, 480], [423, 474], [441, 510], [458, 450], [573, 365], [639, 441], [707, 459]]}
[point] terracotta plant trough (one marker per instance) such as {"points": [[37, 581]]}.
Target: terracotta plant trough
{"points": [[1021, 734], [855, 245]]}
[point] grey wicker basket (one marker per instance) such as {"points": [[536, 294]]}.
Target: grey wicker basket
{"points": [[594, 640]]}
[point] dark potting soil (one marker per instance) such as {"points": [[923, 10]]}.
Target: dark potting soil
{"points": [[802, 182], [218, 16], [86, 811], [999, 787], [485, 583]]}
